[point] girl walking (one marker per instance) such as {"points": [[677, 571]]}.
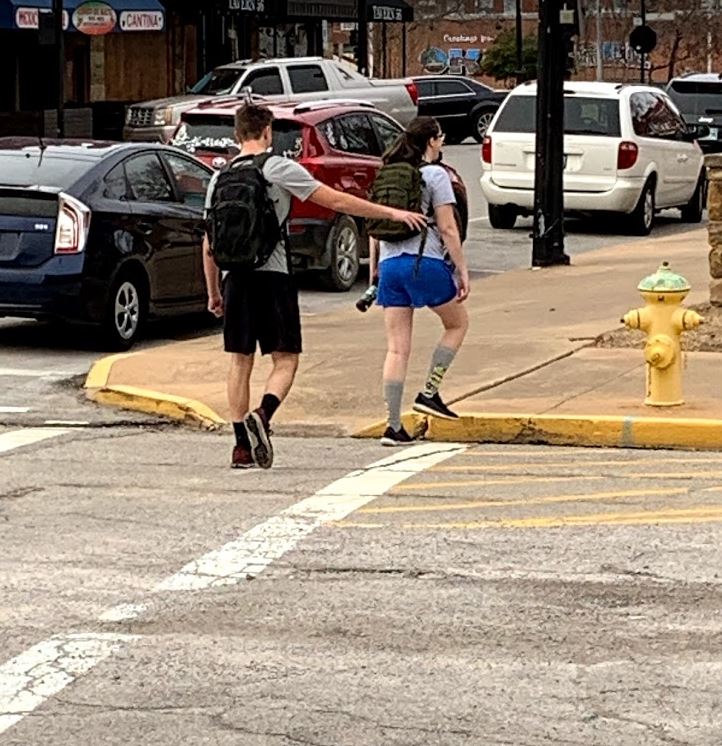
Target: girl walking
{"points": [[408, 280]]}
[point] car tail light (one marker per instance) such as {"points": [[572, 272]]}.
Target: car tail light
{"points": [[71, 231], [413, 92], [627, 155], [486, 150]]}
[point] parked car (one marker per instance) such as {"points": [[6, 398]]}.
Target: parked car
{"points": [[627, 150], [341, 144], [98, 232], [300, 79], [463, 106], [699, 99]]}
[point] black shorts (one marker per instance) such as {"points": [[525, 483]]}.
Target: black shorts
{"points": [[261, 308]]}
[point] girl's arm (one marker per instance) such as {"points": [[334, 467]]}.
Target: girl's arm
{"points": [[373, 260]]}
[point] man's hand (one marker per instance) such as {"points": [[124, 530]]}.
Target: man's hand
{"points": [[464, 286], [414, 220], [215, 305]]}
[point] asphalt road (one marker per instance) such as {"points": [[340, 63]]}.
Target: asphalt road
{"points": [[483, 595]]}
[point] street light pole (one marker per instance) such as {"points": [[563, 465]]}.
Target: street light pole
{"points": [[60, 50], [548, 232], [362, 49]]}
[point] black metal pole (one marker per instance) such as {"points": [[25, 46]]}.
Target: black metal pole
{"points": [[548, 232], [519, 44], [643, 56], [362, 52], [60, 50]]}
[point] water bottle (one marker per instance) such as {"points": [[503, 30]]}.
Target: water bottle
{"points": [[366, 300]]}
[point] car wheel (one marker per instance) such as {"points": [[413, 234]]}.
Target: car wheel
{"points": [[693, 210], [126, 312], [502, 216], [481, 124], [641, 220], [343, 250]]}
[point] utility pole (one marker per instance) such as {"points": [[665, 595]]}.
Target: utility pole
{"points": [[362, 50], [519, 45], [643, 56], [600, 60], [60, 51], [548, 233]]}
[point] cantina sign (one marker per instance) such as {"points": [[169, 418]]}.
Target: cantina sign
{"points": [[94, 18]]}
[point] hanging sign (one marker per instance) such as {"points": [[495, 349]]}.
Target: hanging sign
{"points": [[94, 18], [27, 18], [141, 20]]}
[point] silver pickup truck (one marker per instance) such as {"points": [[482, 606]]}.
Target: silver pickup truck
{"points": [[298, 79]]}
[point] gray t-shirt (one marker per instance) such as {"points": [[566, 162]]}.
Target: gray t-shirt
{"points": [[437, 191], [287, 179]]}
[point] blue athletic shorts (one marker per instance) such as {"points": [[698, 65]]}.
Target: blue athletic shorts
{"points": [[401, 287]]}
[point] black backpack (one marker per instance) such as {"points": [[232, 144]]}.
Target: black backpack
{"points": [[242, 224], [396, 185]]}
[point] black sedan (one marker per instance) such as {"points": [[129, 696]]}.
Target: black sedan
{"points": [[103, 233], [462, 106]]}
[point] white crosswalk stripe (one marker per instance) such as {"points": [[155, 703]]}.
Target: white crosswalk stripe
{"points": [[18, 438]]}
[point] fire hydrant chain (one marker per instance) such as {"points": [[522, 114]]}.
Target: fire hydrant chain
{"points": [[664, 319]]}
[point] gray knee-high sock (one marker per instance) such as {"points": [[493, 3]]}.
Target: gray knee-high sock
{"points": [[440, 362], [393, 393]]}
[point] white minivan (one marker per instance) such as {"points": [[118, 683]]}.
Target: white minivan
{"points": [[627, 150]]}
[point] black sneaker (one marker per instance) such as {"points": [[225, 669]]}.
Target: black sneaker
{"points": [[396, 437], [259, 433], [434, 406]]}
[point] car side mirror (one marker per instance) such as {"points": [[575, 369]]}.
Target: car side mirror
{"points": [[697, 132]]}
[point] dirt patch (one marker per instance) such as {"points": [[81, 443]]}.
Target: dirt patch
{"points": [[707, 338]]}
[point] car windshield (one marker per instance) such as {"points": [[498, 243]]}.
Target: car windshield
{"points": [[206, 132], [218, 82], [582, 116], [27, 169], [697, 97]]}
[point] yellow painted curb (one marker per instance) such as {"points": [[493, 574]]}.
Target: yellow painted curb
{"points": [[179, 408], [99, 373], [571, 430]]}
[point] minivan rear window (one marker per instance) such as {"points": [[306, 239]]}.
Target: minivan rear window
{"points": [[582, 116]]}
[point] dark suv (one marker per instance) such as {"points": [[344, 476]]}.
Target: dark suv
{"points": [[340, 143], [462, 106], [699, 99]]}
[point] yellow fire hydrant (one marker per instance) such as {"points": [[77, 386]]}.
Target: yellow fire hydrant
{"points": [[664, 320]]}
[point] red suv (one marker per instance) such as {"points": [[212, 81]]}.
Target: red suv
{"points": [[340, 143]]}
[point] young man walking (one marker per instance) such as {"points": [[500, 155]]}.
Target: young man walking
{"points": [[260, 306]]}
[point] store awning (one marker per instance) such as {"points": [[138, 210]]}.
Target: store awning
{"points": [[79, 15], [389, 11]]}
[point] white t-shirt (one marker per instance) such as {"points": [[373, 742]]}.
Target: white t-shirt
{"points": [[287, 179], [436, 191]]}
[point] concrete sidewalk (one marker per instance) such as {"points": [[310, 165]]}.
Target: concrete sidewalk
{"points": [[526, 354]]}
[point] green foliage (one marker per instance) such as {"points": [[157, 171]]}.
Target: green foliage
{"points": [[500, 59]]}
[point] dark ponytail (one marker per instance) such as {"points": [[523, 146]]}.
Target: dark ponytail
{"points": [[411, 145]]}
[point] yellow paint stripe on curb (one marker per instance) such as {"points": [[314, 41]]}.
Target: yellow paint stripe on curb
{"points": [[490, 482], [99, 373], [574, 430], [156, 403]]}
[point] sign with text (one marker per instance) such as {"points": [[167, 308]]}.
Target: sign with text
{"points": [[94, 18], [390, 12], [28, 18], [141, 20]]}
